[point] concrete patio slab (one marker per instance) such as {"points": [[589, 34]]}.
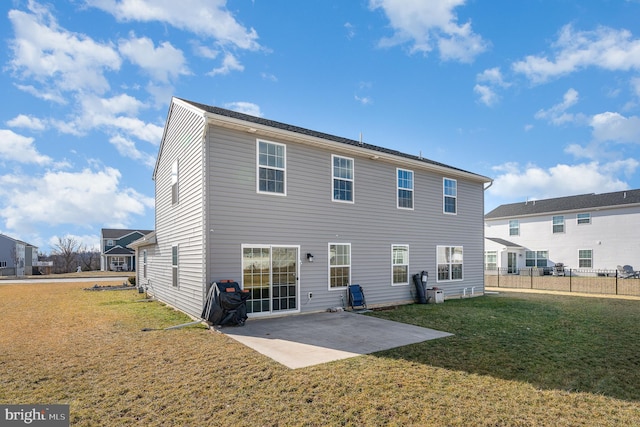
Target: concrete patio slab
{"points": [[302, 340]]}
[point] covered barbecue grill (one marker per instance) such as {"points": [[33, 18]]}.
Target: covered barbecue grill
{"points": [[226, 304]]}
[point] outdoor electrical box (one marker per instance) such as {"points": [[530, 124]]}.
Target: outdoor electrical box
{"points": [[435, 296]]}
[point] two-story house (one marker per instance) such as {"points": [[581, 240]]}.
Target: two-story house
{"points": [[115, 255], [588, 231], [17, 258], [294, 216]]}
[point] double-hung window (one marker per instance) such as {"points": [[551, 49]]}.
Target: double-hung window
{"points": [[584, 218], [342, 172], [174, 265], [536, 258], [339, 265], [405, 189], [514, 227], [144, 263], [491, 260], [272, 163], [400, 264], [585, 258], [450, 262], [174, 182], [558, 224], [450, 195]]}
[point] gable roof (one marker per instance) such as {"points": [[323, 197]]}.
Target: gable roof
{"points": [[209, 110], [119, 233], [119, 250], [569, 203]]}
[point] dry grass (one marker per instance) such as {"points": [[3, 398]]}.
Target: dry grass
{"points": [[61, 344]]}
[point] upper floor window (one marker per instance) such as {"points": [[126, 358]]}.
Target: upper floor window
{"points": [[405, 189], [174, 182], [110, 242], [342, 172], [514, 227], [272, 168], [558, 224], [450, 195], [584, 218], [450, 262], [400, 264], [339, 265]]}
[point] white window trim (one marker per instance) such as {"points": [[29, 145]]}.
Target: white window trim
{"points": [[444, 196], [553, 225], [175, 181], [407, 264], [352, 180], [517, 228], [258, 166], [342, 288], [583, 223], [398, 188], [175, 266], [449, 280], [591, 259]]}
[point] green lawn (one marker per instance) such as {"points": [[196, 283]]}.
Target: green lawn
{"points": [[551, 342], [516, 360]]}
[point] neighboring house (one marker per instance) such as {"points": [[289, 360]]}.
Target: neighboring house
{"points": [[17, 258], [115, 255], [294, 216], [589, 231]]}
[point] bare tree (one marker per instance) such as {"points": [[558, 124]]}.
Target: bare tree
{"points": [[89, 259], [67, 251]]}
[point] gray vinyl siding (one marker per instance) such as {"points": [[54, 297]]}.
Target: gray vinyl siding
{"points": [[181, 224], [308, 217]]}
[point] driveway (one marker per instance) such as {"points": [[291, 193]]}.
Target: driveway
{"points": [[302, 340]]}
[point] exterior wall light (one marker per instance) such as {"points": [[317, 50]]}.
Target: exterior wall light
{"points": [[309, 257]]}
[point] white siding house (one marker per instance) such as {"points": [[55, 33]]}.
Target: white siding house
{"points": [[294, 215], [589, 231]]}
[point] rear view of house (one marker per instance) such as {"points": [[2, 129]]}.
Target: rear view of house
{"points": [[295, 216], [587, 231]]}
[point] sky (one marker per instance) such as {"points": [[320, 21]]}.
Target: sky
{"points": [[541, 96]]}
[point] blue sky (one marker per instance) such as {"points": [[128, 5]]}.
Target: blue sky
{"points": [[543, 96]]}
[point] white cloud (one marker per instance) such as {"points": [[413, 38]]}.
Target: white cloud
{"points": [[18, 148], [516, 182], [77, 198], [208, 18], [127, 148], [487, 95], [610, 126], [245, 108], [229, 63], [605, 48], [27, 122], [364, 100], [489, 81], [426, 24], [112, 115], [557, 114], [90, 242], [56, 59], [163, 62]]}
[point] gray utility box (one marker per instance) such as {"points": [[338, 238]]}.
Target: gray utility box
{"points": [[435, 296]]}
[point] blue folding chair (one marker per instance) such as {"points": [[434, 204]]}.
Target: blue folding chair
{"points": [[356, 297]]}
